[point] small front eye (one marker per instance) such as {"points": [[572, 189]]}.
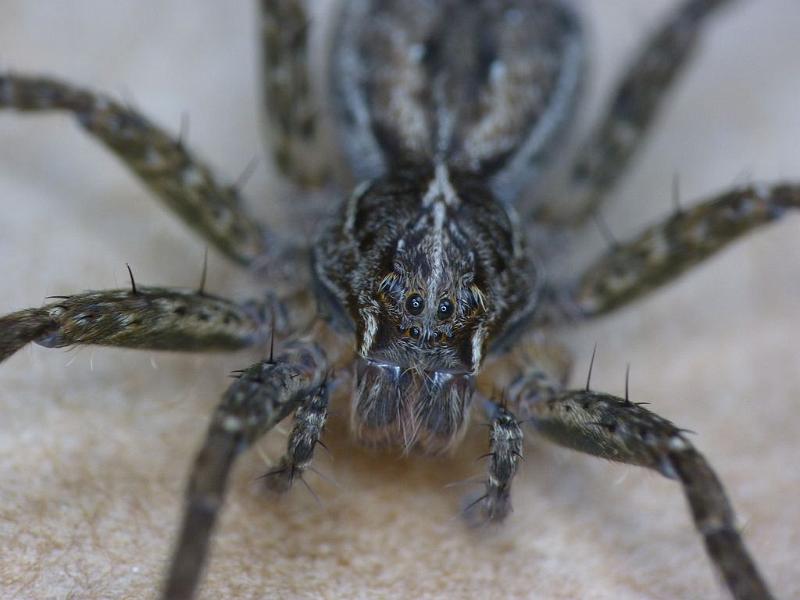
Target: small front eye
{"points": [[414, 332], [415, 304], [445, 308]]}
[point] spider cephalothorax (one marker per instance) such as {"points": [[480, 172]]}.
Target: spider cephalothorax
{"points": [[427, 289], [429, 270]]}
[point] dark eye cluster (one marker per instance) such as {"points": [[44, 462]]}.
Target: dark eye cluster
{"points": [[445, 309], [415, 304]]}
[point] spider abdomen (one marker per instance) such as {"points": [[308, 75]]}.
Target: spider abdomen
{"points": [[485, 89]]}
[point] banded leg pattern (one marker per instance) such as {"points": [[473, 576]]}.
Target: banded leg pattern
{"points": [[309, 421], [635, 104], [622, 431], [142, 317], [292, 111], [164, 164], [262, 396], [505, 454], [666, 250]]}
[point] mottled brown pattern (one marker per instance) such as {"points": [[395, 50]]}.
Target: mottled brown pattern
{"points": [[620, 430], [163, 164], [486, 90], [292, 111], [635, 106], [448, 244], [309, 422], [668, 249], [425, 272], [504, 456], [261, 396], [146, 318]]}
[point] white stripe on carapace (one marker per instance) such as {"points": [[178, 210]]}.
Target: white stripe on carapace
{"points": [[440, 188], [370, 329], [439, 195], [477, 347]]}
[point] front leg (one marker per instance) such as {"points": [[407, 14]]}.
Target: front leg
{"points": [[262, 396], [511, 372], [619, 430], [309, 421], [141, 317], [505, 453]]}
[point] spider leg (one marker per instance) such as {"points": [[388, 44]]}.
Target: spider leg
{"points": [[619, 430], [511, 373], [141, 317], [309, 421], [505, 453], [633, 108], [292, 111], [511, 370], [667, 249], [164, 164], [262, 396]]}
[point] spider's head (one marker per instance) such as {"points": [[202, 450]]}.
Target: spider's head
{"points": [[429, 270], [422, 330]]}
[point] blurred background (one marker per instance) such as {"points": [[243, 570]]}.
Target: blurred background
{"points": [[95, 444]]}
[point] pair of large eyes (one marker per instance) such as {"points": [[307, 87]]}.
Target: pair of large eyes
{"points": [[415, 304]]}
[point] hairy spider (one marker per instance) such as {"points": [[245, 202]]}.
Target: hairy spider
{"points": [[552, 504]]}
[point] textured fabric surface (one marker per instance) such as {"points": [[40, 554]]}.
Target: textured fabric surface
{"points": [[95, 444]]}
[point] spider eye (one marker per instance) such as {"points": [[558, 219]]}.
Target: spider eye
{"points": [[445, 308], [415, 304], [414, 332]]}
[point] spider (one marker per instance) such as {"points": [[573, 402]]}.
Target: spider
{"points": [[598, 382]]}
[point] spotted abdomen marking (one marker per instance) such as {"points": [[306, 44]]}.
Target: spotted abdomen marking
{"points": [[484, 90]]}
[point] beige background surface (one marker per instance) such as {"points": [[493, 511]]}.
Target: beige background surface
{"points": [[95, 444]]}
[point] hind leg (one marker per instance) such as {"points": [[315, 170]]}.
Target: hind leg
{"points": [[292, 109], [633, 108]]}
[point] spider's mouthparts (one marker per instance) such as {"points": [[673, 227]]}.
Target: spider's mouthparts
{"points": [[423, 411]]}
